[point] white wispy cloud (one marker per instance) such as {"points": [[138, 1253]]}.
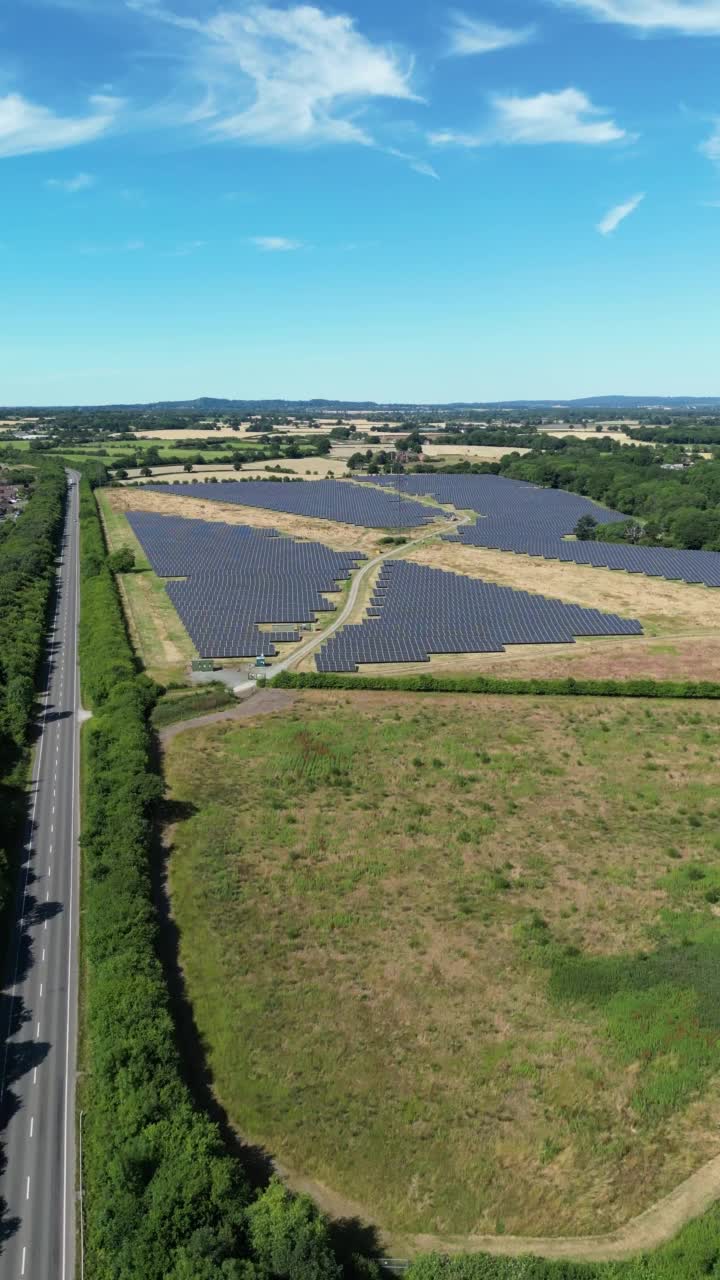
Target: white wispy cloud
{"points": [[566, 116], [468, 35], [26, 126], [292, 75], [685, 17], [711, 147], [427, 170], [80, 182], [618, 214], [275, 244]]}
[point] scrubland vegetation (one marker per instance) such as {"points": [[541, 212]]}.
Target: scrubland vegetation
{"points": [[457, 959]]}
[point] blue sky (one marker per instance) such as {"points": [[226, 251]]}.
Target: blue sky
{"points": [[406, 201]]}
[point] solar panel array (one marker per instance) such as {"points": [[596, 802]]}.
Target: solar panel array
{"points": [[238, 579], [337, 500], [416, 611], [523, 518]]}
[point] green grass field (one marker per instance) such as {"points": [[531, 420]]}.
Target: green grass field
{"points": [[458, 959]]}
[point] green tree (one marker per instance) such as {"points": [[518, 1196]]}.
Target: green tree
{"points": [[586, 528], [289, 1238], [121, 561]]}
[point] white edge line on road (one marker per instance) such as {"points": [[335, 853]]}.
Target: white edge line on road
{"points": [[75, 731], [35, 778]]}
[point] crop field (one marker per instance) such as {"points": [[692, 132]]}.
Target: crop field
{"points": [[308, 468], [454, 960], [468, 452]]}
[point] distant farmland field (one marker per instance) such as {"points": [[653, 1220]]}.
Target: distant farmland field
{"points": [[458, 960]]}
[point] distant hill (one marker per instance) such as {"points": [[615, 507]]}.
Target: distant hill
{"points": [[210, 404], [359, 406]]}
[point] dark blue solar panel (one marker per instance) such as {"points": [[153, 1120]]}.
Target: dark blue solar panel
{"points": [[520, 517], [338, 500], [417, 611], [237, 579]]}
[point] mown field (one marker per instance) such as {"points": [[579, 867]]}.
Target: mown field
{"points": [[458, 960]]}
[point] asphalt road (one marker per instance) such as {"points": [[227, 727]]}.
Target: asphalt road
{"points": [[39, 1000]]}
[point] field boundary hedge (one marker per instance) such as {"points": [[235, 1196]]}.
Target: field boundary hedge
{"points": [[641, 688]]}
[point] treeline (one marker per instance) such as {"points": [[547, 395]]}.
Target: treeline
{"points": [[502, 437], [570, 687], [28, 549], [680, 433], [162, 1199], [676, 508]]}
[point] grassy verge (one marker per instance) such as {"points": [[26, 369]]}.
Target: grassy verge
{"points": [[161, 642]]}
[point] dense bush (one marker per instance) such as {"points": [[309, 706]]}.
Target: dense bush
{"points": [[202, 701], [640, 688], [27, 574], [162, 1200]]}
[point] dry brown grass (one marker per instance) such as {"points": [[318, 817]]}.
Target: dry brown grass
{"points": [[468, 452]]}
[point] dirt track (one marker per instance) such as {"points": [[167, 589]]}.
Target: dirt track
{"points": [[262, 703]]}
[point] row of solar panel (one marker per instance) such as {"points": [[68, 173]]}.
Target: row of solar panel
{"points": [[240, 579], [337, 500], [532, 521], [417, 611]]}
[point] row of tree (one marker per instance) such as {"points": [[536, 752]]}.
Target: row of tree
{"points": [[28, 547], [163, 1200]]}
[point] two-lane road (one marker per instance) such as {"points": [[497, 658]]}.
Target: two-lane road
{"points": [[39, 1001]]}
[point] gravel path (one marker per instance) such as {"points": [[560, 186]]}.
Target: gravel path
{"points": [[263, 703]]}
